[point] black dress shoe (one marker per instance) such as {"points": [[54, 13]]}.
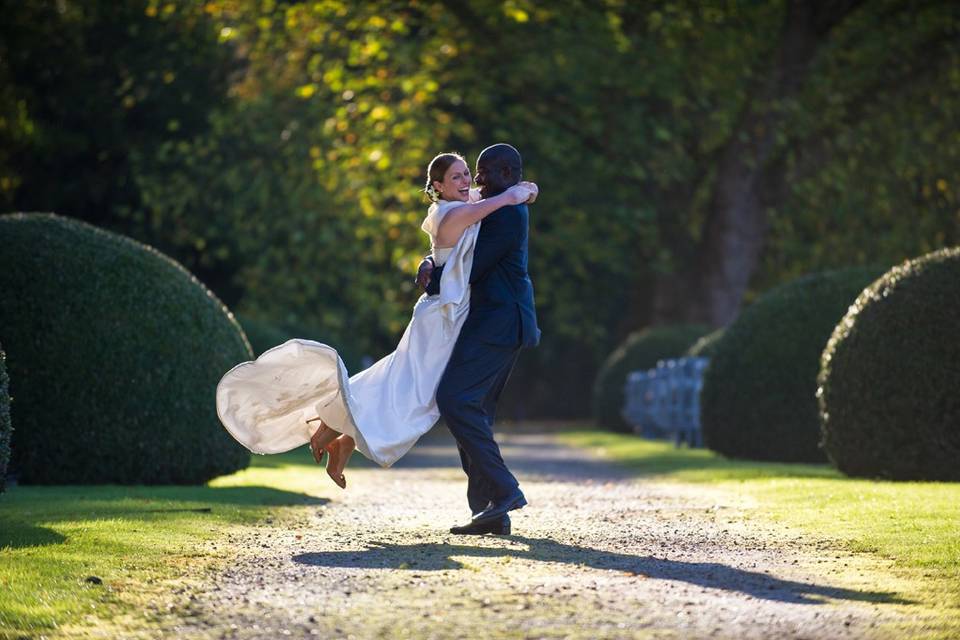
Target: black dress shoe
{"points": [[498, 508], [499, 527]]}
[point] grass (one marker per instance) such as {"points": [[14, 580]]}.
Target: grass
{"points": [[141, 541], [916, 525]]}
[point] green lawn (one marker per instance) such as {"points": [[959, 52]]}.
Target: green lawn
{"points": [[139, 540], [914, 524]]}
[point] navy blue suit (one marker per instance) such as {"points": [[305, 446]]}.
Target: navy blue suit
{"points": [[501, 321]]}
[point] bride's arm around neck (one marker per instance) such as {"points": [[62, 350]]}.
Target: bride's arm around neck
{"points": [[458, 218]]}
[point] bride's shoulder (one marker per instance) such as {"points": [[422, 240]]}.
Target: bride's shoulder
{"points": [[435, 214]]}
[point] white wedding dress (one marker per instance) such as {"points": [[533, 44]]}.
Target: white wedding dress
{"points": [[265, 403]]}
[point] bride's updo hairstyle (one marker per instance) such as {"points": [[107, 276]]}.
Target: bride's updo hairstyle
{"points": [[437, 169]]}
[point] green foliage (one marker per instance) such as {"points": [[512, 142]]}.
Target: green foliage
{"points": [[641, 350], [706, 346], [873, 133], [85, 83], [5, 426], [758, 399], [114, 351], [277, 149], [314, 171], [889, 377], [343, 106]]}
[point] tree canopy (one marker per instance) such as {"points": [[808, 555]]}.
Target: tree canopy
{"points": [[690, 154]]}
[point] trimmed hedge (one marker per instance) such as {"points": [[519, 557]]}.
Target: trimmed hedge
{"points": [[706, 346], [641, 350], [114, 352], [890, 379], [759, 393], [5, 426]]}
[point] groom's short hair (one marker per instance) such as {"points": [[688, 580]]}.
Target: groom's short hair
{"points": [[503, 154]]}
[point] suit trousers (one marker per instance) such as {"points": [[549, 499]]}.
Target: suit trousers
{"points": [[467, 398]]}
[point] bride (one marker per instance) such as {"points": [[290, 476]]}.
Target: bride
{"points": [[267, 404]]}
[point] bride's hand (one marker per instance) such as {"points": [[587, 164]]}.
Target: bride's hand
{"points": [[534, 190], [518, 194]]}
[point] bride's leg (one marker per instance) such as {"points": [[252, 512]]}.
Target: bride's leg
{"points": [[340, 451], [322, 437]]}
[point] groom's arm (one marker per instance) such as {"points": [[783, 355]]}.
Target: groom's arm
{"points": [[499, 234], [433, 287]]}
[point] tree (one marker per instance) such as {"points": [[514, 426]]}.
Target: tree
{"points": [[84, 83], [690, 154]]}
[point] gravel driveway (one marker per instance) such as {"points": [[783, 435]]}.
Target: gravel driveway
{"points": [[596, 554]]}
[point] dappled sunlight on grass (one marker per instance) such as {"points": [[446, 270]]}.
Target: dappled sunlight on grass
{"points": [[654, 457], [132, 538], [915, 524]]}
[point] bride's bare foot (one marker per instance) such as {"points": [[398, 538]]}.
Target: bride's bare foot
{"points": [[340, 451], [322, 437]]}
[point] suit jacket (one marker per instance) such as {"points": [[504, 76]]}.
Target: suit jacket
{"points": [[502, 310]]}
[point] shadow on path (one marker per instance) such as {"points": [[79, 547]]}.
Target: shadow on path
{"points": [[534, 455], [433, 557]]}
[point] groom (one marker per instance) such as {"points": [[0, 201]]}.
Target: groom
{"points": [[502, 320]]}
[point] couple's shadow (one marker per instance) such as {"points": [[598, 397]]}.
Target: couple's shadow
{"points": [[712, 575]]}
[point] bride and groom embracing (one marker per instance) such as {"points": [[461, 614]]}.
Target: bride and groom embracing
{"points": [[453, 359]]}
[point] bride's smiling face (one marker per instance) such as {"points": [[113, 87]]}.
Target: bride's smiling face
{"points": [[456, 183]]}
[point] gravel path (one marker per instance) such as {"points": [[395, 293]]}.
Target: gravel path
{"points": [[596, 554]]}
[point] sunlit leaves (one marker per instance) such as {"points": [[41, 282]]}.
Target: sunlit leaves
{"points": [[294, 190]]}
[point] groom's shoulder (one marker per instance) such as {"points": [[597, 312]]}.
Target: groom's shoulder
{"points": [[510, 213]]}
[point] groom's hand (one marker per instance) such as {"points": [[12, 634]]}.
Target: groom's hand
{"points": [[424, 271]]}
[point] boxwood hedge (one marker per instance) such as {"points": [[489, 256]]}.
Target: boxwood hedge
{"points": [[5, 427], [759, 393], [114, 352], [707, 345], [890, 375]]}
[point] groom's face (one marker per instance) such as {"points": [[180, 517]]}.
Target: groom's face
{"points": [[490, 178]]}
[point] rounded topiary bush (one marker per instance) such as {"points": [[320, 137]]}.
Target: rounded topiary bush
{"points": [[890, 375], [641, 350], [759, 392], [707, 345], [5, 427], [114, 353]]}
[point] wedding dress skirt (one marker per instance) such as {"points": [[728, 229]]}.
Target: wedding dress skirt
{"points": [[265, 403]]}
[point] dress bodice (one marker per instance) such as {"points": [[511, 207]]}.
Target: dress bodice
{"points": [[440, 255]]}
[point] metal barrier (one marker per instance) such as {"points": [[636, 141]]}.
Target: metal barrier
{"points": [[665, 402]]}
